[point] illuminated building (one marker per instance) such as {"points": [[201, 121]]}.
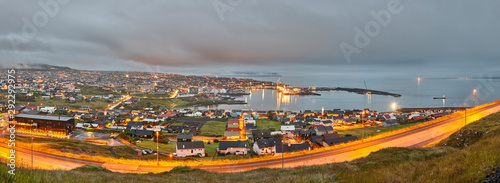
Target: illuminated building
{"points": [[44, 125]]}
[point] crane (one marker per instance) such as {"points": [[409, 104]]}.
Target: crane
{"points": [[367, 92]]}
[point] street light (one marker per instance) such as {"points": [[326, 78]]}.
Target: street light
{"points": [[474, 99], [157, 152], [31, 152], [282, 156]]}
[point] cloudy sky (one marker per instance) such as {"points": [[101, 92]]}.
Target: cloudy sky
{"points": [[126, 34]]}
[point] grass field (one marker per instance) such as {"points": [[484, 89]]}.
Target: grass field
{"points": [[213, 128], [265, 124], [372, 130], [166, 148]]}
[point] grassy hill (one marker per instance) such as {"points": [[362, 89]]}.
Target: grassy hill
{"points": [[450, 161]]}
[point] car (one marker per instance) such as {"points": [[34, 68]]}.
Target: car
{"points": [[144, 152], [149, 151]]}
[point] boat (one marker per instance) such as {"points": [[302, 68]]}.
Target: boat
{"points": [[444, 97]]}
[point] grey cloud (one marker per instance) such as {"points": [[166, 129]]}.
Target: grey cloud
{"points": [[175, 33]]}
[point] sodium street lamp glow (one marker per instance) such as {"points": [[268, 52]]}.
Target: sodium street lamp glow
{"points": [[474, 98]]}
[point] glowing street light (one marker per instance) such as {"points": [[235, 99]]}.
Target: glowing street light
{"points": [[474, 99], [157, 152], [394, 106]]}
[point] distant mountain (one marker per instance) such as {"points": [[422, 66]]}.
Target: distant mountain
{"points": [[37, 67]]}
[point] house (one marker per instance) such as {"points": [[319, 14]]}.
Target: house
{"points": [[49, 110], [232, 135], [339, 140], [284, 148], [233, 147], [100, 124], [135, 125], [184, 138], [141, 133], [320, 129], [418, 118], [300, 125], [261, 134], [287, 131], [266, 146], [177, 129], [184, 149]]}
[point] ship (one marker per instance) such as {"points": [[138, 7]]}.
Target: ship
{"points": [[444, 97]]}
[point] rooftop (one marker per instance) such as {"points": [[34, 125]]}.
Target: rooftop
{"points": [[45, 117]]}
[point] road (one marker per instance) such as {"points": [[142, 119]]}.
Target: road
{"points": [[119, 102], [414, 138]]}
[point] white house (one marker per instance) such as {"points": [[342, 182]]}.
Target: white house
{"points": [[266, 146], [233, 147], [287, 131], [49, 110], [184, 149]]}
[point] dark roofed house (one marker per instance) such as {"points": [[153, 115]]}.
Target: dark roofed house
{"points": [[292, 147], [299, 125], [134, 125], [250, 126], [340, 140], [141, 133], [179, 129], [266, 146], [320, 130], [233, 147], [184, 138], [261, 134], [184, 149]]}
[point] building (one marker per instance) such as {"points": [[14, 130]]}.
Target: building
{"points": [[184, 138], [233, 147], [45, 124], [266, 146], [184, 149], [261, 134]]}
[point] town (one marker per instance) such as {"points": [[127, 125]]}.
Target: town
{"points": [[150, 113]]}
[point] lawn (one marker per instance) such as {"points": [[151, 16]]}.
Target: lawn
{"points": [[372, 130], [265, 124], [166, 148], [211, 128]]}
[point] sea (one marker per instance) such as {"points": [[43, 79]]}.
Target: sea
{"points": [[418, 85]]}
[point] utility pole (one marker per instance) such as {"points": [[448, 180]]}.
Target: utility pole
{"points": [[157, 152], [31, 152], [362, 127], [282, 155], [474, 99]]}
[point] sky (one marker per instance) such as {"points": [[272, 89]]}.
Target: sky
{"points": [[146, 35]]}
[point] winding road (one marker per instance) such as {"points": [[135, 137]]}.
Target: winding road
{"points": [[414, 138]]}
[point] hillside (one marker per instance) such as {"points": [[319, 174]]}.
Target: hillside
{"points": [[450, 161]]}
